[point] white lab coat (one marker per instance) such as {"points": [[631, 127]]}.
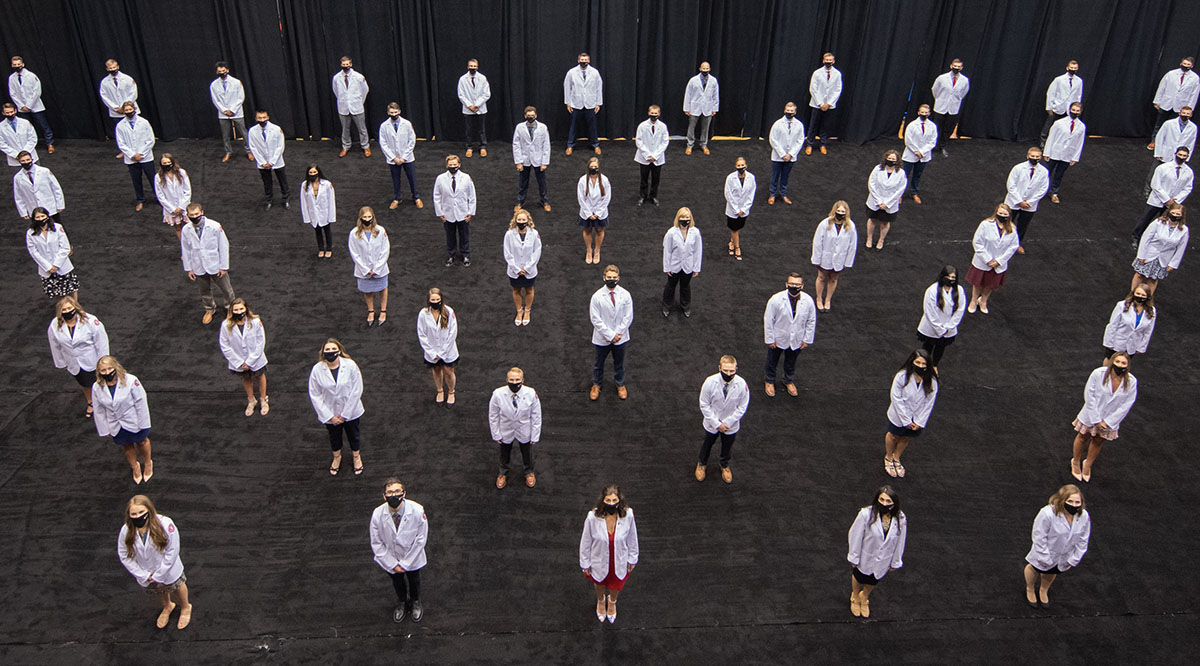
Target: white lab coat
{"points": [[522, 254], [437, 343], [370, 253], [1063, 143], [341, 397], [532, 152], [147, 563], [834, 249], [700, 98], [909, 402], [53, 249], [16, 136], [591, 202], [1026, 185], [319, 210], [227, 94], [79, 348], [1177, 90], [476, 95], [581, 93], [593, 545], [136, 138], [171, 193], [787, 138], [205, 251], [825, 87], [1058, 543], [739, 194], [941, 322], [456, 203], [948, 93], [26, 90], [1064, 90], [885, 190], [403, 546], [126, 408], [397, 139], [682, 254], [784, 329], [1167, 184], [989, 244], [871, 551], [244, 345], [350, 89], [920, 136], [43, 191], [521, 424], [266, 144], [1164, 244], [1171, 136], [652, 140], [723, 409], [114, 93], [1101, 403], [1124, 333], [609, 320]]}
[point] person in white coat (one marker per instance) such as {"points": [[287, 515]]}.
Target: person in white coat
{"points": [[1170, 183], [350, 89], [789, 325], [454, 204], [1179, 132], [608, 550], [1064, 146], [437, 332], [1176, 89], [995, 242], [1131, 324], [1108, 395], [683, 251], [949, 90], [594, 193], [1061, 531], [173, 189], [51, 250], [515, 417], [399, 532], [583, 93], [611, 313], [77, 341], [740, 188], [16, 135], [1064, 90], [148, 547], [474, 93], [701, 101], [876, 546], [834, 245], [370, 249], [115, 89], [121, 412], [942, 310], [786, 139], [205, 253], [522, 252], [1160, 249], [25, 89], [914, 391], [266, 143], [335, 387], [885, 190], [824, 89], [135, 139], [1027, 183], [920, 138], [228, 95], [318, 208], [531, 154], [243, 341], [397, 139], [724, 398], [35, 186], [651, 141]]}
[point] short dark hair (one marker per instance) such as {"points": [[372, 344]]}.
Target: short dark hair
{"points": [[393, 105], [258, 111], [530, 108], [1072, 62], [795, 274], [390, 481], [24, 153], [8, 105], [220, 64], [1187, 58], [584, 54], [1183, 148]]}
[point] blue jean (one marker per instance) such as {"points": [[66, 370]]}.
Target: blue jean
{"points": [[579, 116], [39, 117], [523, 184], [618, 354], [136, 170], [458, 238], [789, 364], [913, 171], [780, 171], [1057, 169], [406, 169]]}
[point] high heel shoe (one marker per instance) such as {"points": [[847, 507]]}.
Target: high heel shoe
{"points": [[601, 609], [612, 614], [1086, 472], [370, 318], [1075, 471]]}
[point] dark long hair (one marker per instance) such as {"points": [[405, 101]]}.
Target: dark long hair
{"points": [[613, 489], [35, 225], [891, 492], [320, 176], [926, 375], [948, 270]]}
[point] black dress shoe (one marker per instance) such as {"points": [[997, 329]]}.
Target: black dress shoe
{"points": [[286, 204], [654, 201], [417, 611], [687, 313], [466, 261], [450, 262], [399, 614], [641, 201], [267, 206], [666, 312]]}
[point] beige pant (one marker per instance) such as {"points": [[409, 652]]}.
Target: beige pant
{"points": [[206, 283]]}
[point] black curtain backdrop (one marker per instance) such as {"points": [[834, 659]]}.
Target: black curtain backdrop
{"points": [[762, 52]]}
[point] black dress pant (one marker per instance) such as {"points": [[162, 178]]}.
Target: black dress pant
{"points": [[684, 280], [649, 185], [268, 190], [526, 457], [1024, 217], [408, 586], [726, 446], [945, 123], [350, 428], [476, 133]]}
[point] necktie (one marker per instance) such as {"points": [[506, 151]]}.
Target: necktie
{"points": [[1176, 173], [725, 390], [472, 80], [789, 124], [453, 184], [826, 75], [1181, 75], [131, 122], [396, 126], [30, 174], [922, 127], [584, 75], [224, 85], [347, 79], [1031, 172], [1070, 82], [19, 78], [652, 129], [1072, 124], [396, 517], [514, 401], [953, 80], [613, 296], [264, 134]]}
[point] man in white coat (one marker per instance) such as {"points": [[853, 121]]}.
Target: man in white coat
{"points": [[115, 89], [266, 144], [651, 141], [515, 416], [531, 154], [701, 101], [1171, 184], [474, 93], [1064, 146], [350, 88], [583, 93], [454, 204], [397, 139], [1064, 90], [205, 252], [1179, 132], [611, 312], [1027, 183], [399, 532], [789, 323], [787, 137], [25, 89], [16, 135], [35, 186], [228, 95], [824, 89], [135, 139], [1177, 88], [724, 398], [949, 89], [920, 138]]}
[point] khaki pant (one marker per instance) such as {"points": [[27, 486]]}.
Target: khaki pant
{"points": [[206, 283]]}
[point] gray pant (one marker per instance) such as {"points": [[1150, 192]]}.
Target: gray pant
{"points": [[360, 119], [206, 282], [227, 125], [691, 131]]}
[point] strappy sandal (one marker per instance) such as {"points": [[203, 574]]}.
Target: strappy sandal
{"points": [[889, 467], [525, 318], [250, 407], [336, 465], [441, 397], [358, 469], [88, 413], [731, 248], [737, 253], [266, 406], [165, 616]]}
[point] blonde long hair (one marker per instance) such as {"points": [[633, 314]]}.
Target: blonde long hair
{"points": [[442, 316], [833, 215], [512, 224], [680, 213], [1007, 225], [359, 227], [229, 323], [80, 313], [111, 360], [1059, 499]]}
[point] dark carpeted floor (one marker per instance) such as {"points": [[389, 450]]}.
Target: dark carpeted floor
{"points": [[277, 553]]}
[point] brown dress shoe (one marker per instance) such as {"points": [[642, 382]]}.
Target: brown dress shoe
{"points": [[138, 208], [770, 389], [568, 151], [50, 149], [366, 152], [808, 150], [823, 151], [595, 392], [394, 205], [530, 480], [226, 158], [791, 389], [208, 317], [501, 481], [726, 475], [597, 150], [770, 201], [787, 201], [687, 151], [516, 208], [483, 152], [700, 472], [704, 149], [622, 393], [343, 153], [419, 204], [470, 152], [1020, 249], [250, 156], [916, 198], [546, 207], [1054, 198]]}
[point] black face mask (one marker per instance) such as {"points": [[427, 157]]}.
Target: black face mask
{"points": [[885, 509], [828, 65], [789, 114], [1002, 218], [68, 315], [583, 65], [238, 316], [1072, 509], [1180, 160], [1034, 160], [129, 115], [741, 170], [141, 520], [435, 306], [923, 116], [313, 177], [196, 220], [514, 386], [532, 120], [1073, 115], [472, 70], [1185, 69], [27, 165], [728, 376], [1118, 370], [1072, 72], [521, 226], [704, 75], [114, 73], [263, 123], [166, 165], [393, 116], [653, 119], [9, 118], [345, 68], [223, 74], [890, 163], [1136, 299], [684, 223], [1175, 219], [611, 284], [108, 377], [610, 509], [41, 224], [394, 500], [795, 291], [956, 70], [18, 68], [452, 170], [839, 216], [947, 282], [330, 356], [593, 169]]}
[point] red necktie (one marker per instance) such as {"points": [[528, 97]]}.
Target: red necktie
{"points": [[953, 80], [1181, 79], [1032, 170], [613, 296], [347, 79], [826, 75], [922, 127], [1072, 124]]}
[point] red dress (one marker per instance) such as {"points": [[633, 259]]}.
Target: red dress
{"points": [[611, 581]]}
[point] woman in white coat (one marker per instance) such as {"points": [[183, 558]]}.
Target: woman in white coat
{"points": [[942, 310], [594, 193], [148, 547], [995, 242], [1131, 324], [437, 331], [173, 189], [1060, 539], [522, 251], [318, 208], [77, 341], [740, 187], [1109, 394], [244, 343], [834, 245], [885, 188], [608, 549], [335, 389], [370, 249], [1161, 248], [121, 412], [877, 537], [914, 390], [683, 251], [51, 250]]}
